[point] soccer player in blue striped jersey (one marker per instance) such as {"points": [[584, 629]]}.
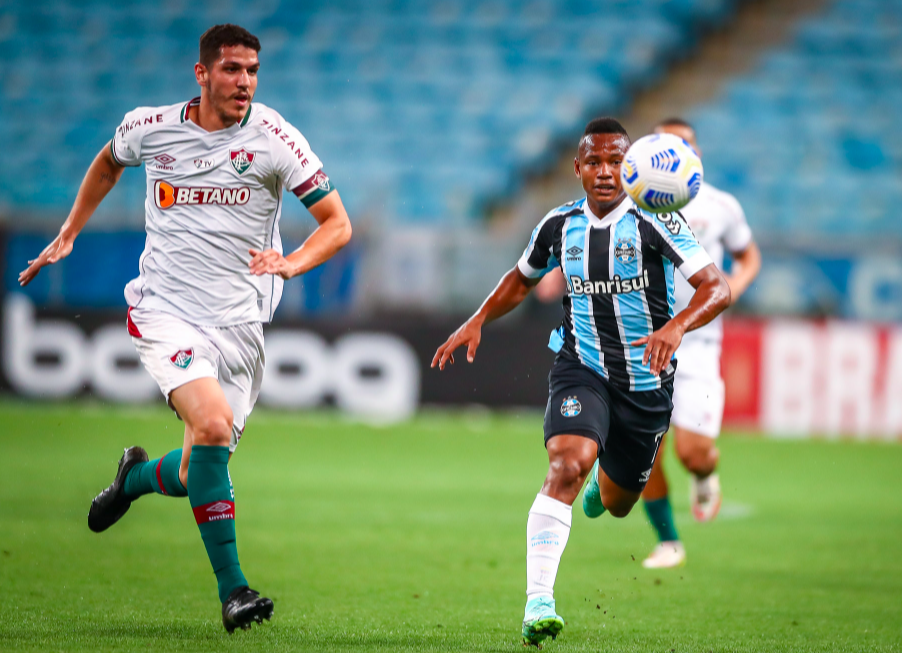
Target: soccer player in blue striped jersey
{"points": [[611, 385]]}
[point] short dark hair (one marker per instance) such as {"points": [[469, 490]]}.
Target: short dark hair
{"points": [[675, 122], [605, 125], [214, 39]]}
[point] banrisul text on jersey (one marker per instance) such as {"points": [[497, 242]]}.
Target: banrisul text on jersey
{"points": [[619, 274]]}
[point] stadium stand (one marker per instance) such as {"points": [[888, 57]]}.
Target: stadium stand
{"points": [[809, 142], [422, 110]]}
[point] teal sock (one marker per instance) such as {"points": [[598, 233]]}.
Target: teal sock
{"points": [[160, 476], [213, 501], [661, 517]]}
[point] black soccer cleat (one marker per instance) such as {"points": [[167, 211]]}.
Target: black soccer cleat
{"points": [[108, 507], [243, 607]]}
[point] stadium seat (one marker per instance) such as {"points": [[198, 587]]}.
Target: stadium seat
{"points": [[469, 94], [822, 110]]}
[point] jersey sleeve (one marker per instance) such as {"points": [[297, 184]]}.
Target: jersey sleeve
{"points": [[299, 168], [126, 143], [738, 235], [669, 233], [538, 259]]}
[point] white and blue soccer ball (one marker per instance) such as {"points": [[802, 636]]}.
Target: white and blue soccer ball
{"points": [[662, 173]]}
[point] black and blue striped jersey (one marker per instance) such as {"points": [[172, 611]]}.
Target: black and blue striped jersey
{"points": [[619, 273]]}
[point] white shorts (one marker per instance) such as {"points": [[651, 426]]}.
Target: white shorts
{"points": [[176, 352], [698, 390]]}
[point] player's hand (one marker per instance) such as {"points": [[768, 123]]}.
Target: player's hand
{"points": [[660, 346], [57, 250], [468, 335], [270, 262]]}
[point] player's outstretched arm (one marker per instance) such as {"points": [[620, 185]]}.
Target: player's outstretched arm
{"points": [[102, 175], [712, 296], [507, 295], [746, 266], [333, 233]]}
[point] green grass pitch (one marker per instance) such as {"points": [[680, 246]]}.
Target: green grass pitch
{"points": [[411, 538]]}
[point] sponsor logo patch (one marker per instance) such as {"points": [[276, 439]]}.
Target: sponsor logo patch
{"points": [[164, 161], [241, 160], [166, 195], [616, 286], [182, 359], [571, 407], [667, 219], [203, 164], [544, 541], [216, 511]]}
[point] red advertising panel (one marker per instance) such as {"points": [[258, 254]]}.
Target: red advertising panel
{"points": [[794, 378]]}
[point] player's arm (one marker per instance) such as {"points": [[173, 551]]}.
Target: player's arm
{"points": [[507, 295], [333, 233], [102, 175], [712, 296], [746, 266]]}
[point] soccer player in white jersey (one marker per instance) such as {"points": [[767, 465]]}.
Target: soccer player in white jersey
{"points": [[719, 223], [211, 274]]}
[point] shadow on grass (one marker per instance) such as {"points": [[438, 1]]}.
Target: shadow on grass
{"points": [[121, 635]]}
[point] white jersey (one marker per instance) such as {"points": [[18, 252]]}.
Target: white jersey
{"points": [[718, 222], [212, 196]]}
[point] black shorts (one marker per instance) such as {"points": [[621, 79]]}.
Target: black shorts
{"points": [[626, 426]]}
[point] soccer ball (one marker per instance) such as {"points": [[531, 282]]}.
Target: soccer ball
{"points": [[662, 173]]}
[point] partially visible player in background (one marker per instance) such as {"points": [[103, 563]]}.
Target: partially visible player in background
{"points": [[211, 274], [719, 223]]}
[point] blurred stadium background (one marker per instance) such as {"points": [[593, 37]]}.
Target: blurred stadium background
{"points": [[449, 128]]}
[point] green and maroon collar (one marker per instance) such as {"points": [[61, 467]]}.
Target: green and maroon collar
{"points": [[183, 116]]}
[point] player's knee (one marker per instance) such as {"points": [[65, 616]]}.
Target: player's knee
{"points": [[566, 472], [698, 458], [214, 430]]}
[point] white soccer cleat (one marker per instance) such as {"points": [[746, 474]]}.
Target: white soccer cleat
{"points": [[665, 556], [706, 497]]}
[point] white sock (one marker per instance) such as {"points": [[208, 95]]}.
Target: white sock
{"points": [[547, 532]]}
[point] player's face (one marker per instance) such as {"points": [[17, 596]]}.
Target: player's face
{"points": [[231, 81], [598, 167], [686, 133]]}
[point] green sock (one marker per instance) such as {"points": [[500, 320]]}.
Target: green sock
{"points": [[213, 501], [661, 517], [160, 476]]}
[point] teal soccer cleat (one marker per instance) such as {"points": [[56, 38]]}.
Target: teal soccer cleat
{"points": [[592, 505], [541, 621]]}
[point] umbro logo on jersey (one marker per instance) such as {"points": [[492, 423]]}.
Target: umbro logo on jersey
{"points": [[242, 160], [615, 286], [164, 161], [166, 195]]}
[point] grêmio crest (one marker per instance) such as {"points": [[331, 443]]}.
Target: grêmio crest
{"points": [[625, 250], [241, 160]]}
